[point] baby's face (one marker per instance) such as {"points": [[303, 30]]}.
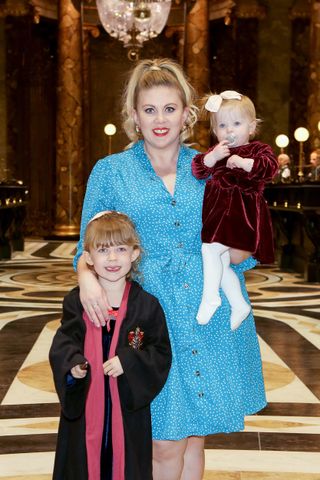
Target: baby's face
{"points": [[234, 126]]}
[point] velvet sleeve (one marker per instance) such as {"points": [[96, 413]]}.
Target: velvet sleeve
{"points": [[66, 352], [265, 164], [145, 369], [99, 196], [199, 169]]}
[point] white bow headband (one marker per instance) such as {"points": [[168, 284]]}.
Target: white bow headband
{"points": [[100, 214], [214, 101]]}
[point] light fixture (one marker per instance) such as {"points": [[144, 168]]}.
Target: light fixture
{"points": [[301, 134], [109, 130], [282, 141], [133, 21]]}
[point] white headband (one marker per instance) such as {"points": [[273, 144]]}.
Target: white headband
{"points": [[214, 101], [99, 214]]}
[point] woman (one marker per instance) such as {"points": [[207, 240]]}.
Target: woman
{"points": [[216, 377]]}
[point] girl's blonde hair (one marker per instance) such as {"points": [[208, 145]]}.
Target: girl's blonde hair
{"points": [[155, 73], [112, 229], [245, 106]]}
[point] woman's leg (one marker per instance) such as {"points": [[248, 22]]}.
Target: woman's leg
{"points": [[193, 466], [168, 457], [212, 274]]}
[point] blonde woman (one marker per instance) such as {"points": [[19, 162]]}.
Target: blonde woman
{"points": [[215, 377]]}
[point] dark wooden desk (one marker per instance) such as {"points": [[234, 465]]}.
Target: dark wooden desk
{"points": [[295, 210], [13, 201]]}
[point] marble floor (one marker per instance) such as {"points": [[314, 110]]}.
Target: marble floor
{"points": [[281, 443]]}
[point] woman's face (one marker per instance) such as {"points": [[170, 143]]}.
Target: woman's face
{"points": [[160, 114]]}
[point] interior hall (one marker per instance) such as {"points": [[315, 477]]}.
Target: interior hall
{"points": [[62, 76]]}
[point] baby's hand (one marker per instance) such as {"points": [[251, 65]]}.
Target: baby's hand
{"points": [[219, 152], [235, 161], [113, 367], [79, 371]]}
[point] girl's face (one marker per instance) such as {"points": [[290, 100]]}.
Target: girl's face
{"points": [[113, 263], [234, 126], [160, 114]]}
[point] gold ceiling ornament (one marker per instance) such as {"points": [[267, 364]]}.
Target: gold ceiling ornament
{"points": [[15, 8], [299, 9], [133, 22], [221, 9], [250, 9]]}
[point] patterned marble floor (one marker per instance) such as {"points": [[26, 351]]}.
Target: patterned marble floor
{"points": [[281, 443]]}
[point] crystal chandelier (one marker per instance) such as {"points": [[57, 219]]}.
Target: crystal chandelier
{"points": [[133, 21]]}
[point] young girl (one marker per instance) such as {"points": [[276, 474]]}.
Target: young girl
{"points": [[106, 377], [235, 214]]}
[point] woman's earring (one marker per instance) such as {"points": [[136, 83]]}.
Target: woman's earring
{"points": [[138, 129]]}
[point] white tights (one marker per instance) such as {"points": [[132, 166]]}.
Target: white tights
{"points": [[217, 273]]}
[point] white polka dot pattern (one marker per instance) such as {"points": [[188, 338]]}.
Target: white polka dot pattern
{"points": [[216, 375]]}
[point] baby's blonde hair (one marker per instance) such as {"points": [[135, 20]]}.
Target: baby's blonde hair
{"points": [[112, 229], [155, 73], [245, 106]]}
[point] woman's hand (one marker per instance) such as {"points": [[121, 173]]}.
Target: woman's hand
{"points": [[113, 367], [92, 296], [238, 256]]}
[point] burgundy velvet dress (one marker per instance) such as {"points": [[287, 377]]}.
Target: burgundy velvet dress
{"points": [[235, 212]]}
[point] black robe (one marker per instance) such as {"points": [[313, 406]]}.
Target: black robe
{"points": [[145, 372]]}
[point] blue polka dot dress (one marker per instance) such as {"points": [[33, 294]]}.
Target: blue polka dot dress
{"points": [[216, 376]]}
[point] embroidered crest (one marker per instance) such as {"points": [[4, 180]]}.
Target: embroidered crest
{"points": [[136, 338]]}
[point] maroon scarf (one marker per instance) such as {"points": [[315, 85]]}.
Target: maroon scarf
{"points": [[95, 402]]}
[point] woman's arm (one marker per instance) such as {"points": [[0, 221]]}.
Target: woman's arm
{"points": [[93, 297]]}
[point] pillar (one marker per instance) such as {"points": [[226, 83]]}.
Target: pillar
{"points": [[3, 103], [69, 155], [197, 60], [314, 80]]}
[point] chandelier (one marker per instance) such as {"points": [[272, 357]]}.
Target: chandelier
{"points": [[133, 21]]}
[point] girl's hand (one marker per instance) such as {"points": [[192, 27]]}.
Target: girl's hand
{"points": [[92, 296], [219, 152], [113, 367], [235, 161], [78, 371]]}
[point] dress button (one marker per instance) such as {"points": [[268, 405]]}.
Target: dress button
{"points": [[177, 223], [173, 202], [186, 285], [197, 373], [194, 352], [200, 394]]}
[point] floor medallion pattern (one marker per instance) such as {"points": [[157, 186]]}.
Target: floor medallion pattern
{"points": [[280, 443]]}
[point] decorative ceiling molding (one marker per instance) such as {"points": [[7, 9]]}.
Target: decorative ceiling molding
{"points": [[300, 9], [15, 8], [250, 9], [220, 9]]}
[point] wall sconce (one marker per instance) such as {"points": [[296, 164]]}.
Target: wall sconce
{"points": [[110, 130], [282, 141], [301, 134]]}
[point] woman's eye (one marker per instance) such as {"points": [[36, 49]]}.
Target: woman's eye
{"points": [[170, 109], [149, 110]]}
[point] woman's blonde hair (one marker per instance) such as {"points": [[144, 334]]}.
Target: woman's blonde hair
{"points": [[112, 229], [245, 106], [155, 73]]}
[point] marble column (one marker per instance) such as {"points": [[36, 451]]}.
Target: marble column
{"points": [[314, 79], [197, 60], [3, 103], [69, 156]]}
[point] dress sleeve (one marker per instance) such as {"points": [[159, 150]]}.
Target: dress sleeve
{"points": [[99, 196], [265, 164], [247, 264], [199, 169], [67, 351], [145, 369]]}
